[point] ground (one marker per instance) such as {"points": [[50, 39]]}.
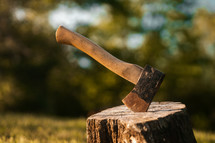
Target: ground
{"points": [[27, 128]]}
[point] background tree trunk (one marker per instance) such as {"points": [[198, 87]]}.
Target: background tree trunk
{"points": [[165, 122]]}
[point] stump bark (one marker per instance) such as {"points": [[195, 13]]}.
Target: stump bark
{"points": [[165, 122]]}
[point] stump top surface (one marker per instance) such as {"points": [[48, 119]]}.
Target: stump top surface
{"points": [[156, 110]]}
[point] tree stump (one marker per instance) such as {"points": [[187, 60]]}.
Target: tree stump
{"points": [[165, 122]]}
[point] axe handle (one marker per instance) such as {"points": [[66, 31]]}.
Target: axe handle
{"points": [[130, 72]]}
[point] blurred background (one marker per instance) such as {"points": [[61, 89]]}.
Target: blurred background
{"points": [[38, 75]]}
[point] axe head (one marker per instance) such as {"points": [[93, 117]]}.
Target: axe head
{"points": [[139, 99]]}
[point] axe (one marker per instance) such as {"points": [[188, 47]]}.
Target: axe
{"points": [[147, 80]]}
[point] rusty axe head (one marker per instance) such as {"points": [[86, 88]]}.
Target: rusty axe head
{"points": [[147, 80], [139, 99]]}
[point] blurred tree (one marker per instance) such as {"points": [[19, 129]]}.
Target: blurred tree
{"points": [[29, 57]]}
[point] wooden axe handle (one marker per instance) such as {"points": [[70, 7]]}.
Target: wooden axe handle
{"points": [[128, 71]]}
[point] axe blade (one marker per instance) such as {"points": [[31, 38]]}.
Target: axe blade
{"points": [[139, 99]]}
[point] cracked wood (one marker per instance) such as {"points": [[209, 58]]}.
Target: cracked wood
{"points": [[165, 122]]}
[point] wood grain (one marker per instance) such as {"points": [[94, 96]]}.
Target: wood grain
{"points": [[165, 122], [130, 72]]}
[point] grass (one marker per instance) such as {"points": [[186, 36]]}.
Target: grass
{"points": [[204, 137], [20, 128]]}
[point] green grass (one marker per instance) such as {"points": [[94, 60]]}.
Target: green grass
{"points": [[204, 137], [19, 128], [22, 128]]}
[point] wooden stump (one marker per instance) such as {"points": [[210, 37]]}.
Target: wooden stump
{"points": [[165, 122]]}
